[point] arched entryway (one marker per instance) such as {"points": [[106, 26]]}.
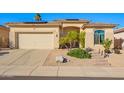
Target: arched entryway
{"points": [[65, 31], [99, 36]]}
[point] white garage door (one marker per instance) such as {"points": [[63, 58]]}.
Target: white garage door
{"points": [[36, 41]]}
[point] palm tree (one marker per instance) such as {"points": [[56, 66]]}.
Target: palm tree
{"points": [[38, 17]]}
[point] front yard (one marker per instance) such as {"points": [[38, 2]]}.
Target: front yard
{"points": [[96, 59]]}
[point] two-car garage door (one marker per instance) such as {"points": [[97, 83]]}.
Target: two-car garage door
{"points": [[36, 41]]}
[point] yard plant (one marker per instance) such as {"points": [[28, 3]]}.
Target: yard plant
{"points": [[82, 39], [70, 38], [63, 41], [106, 44], [79, 53]]}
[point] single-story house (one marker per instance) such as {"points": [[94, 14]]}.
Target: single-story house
{"points": [[46, 35], [4, 36], [119, 34]]}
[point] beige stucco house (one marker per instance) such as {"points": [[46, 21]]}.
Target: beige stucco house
{"points": [[46, 35]]}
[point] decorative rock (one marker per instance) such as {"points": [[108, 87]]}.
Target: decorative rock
{"points": [[59, 58]]}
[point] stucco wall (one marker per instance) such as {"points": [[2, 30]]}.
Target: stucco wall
{"points": [[109, 33], [55, 31], [119, 35], [73, 24], [89, 41]]}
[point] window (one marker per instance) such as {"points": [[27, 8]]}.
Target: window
{"points": [[98, 37]]}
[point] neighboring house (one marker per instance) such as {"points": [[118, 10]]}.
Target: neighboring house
{"points": [[40, 35], [4, 36], [119, 34]]}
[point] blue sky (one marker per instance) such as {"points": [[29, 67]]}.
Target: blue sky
{"points": [[115, 18]]}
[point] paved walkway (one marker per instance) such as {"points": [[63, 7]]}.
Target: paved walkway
{"points": [[30, 63]]}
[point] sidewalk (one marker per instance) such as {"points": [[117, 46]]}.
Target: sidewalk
{"points": [[62, 71]]}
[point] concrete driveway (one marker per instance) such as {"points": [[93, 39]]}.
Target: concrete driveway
{"points": [[21, 62]]}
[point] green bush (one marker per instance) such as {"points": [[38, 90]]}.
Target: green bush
{"points": [[79, 53], [106, 44], [82, 39]]}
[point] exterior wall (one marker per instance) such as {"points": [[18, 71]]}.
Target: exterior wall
{"points": [[118, 36], [89, 41], [90, 37], [13, 30], [4, 35], [109, 33], [73, 24], [67, 29]]}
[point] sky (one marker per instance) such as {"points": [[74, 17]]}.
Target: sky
{"points": [[115, 18]]}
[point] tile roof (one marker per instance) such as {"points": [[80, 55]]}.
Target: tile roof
{"points": [[99, 25], [4, 28], [119, 30], [32, 24]]}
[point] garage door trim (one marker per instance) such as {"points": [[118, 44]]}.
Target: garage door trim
{"points": [[17, 36]]}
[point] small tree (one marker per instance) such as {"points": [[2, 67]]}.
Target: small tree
{"points": [[82, 39], [106, 44], [72, 37], [37, 17], [63, 41]]}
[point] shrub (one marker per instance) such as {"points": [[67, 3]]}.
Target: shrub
{"points": [[70, 38], [79, 53], [82, 39], [106, 44], [117, 51], [63, 41]]}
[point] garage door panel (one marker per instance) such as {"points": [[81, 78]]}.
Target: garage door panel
{"points": [[36, 41]]}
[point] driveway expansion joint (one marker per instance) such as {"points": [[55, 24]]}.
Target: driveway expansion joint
{"points": [[19, 57]]}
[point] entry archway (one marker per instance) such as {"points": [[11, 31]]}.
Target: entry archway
{"points": [[67, 29]]}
